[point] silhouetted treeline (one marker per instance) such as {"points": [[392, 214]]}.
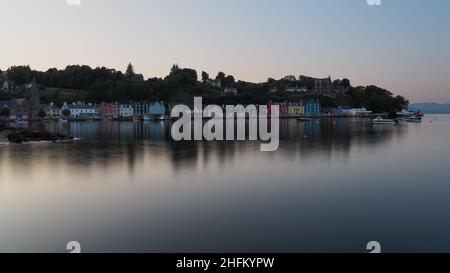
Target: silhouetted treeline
{"points": [[103, 84]]}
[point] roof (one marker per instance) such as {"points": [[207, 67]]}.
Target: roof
{"points": [[79, 106], [4, 103]]}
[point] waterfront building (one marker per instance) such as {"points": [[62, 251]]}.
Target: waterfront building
{"points": [[106, 110], [19, 109], [357, 112], [126, 111], [140, 109], [81, 110], [296, 109], [333, 111], [156, 109], [51, 110], [312, 108], [284, 109]]}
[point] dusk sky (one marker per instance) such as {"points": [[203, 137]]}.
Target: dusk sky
{"points": [[402, 45]]}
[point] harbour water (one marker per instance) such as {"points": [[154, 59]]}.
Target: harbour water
{"points": [[333, 186]]}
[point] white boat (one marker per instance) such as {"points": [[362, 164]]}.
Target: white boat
{"points": [[414, 119], [405, 113], [380, 120]]}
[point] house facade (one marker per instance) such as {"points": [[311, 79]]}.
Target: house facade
{"points": [[323, 85], [19, 109], [313, 107], [296, 109], [81, 110], [52, 111], [156, 109], [140, 109], [231, 90], [126, 111]]}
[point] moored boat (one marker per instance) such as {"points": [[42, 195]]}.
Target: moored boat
{"points": [[414, 119], [380, 120]]}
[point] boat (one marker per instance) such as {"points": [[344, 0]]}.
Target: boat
{"points": [[147, 118], [414, 119], [380, 120], [62, 120], [160, 118], [405, 114], [304, 119], [419, 114]]}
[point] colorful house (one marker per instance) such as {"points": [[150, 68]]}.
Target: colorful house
{"points": [[156, 109], [312, 108], [296, 109], [140, 109], [126, 111]]}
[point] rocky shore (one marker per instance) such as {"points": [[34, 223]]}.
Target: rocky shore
{"points": [[19, 136]]}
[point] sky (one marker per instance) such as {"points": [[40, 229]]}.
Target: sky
{"points": [[400, 45]]}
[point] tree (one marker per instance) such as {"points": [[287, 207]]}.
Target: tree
{"points": [[4, 112], [42, 113], [290, 78], [66, 112], [220, 76], [129, 73], [345, 83], [228, 81], [205, 77], [19, 74]]}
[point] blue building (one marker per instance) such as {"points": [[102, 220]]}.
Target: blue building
{"points": [[312, 108], [140, 109], [156, 109]]}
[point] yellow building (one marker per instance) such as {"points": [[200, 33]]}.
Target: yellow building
{"points": [[296, 109]]}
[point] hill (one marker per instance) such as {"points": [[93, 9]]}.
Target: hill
{"points": [[431, 108]]}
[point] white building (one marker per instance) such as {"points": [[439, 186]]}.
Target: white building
{"points": [[81, 110], [296, 89], [215, 83], [230, 90], [53, 111], [357, 112], [126, 111]]}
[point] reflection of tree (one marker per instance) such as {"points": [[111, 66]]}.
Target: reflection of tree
{"points": [[107, 143]]}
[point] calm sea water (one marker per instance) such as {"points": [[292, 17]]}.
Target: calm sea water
{"points": [[333, 186]]}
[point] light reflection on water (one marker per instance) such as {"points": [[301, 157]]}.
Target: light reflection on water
{"points": [[333, 185]]}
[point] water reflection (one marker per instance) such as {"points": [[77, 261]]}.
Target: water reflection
{"points": [[129, 187], [107, 143]]}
